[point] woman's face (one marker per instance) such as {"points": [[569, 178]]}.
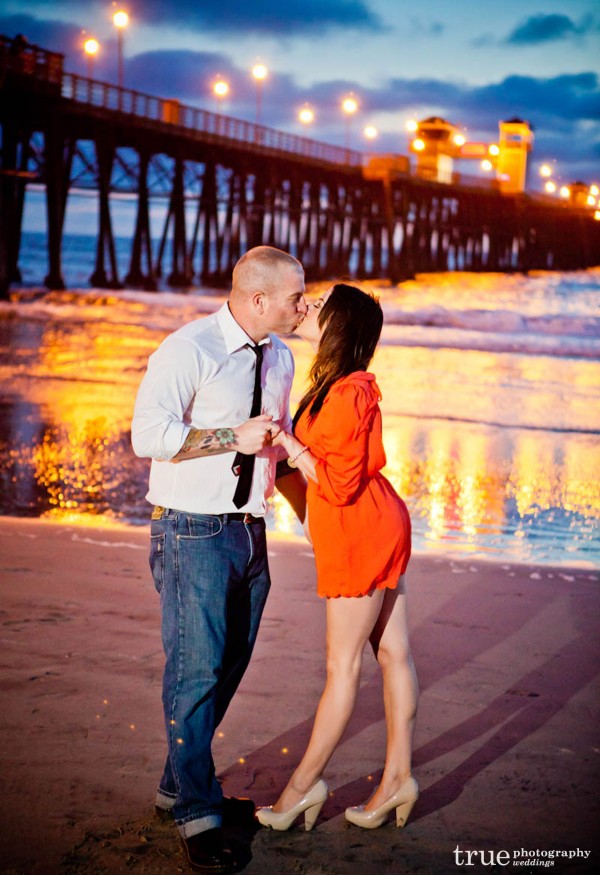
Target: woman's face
{"points": [[309, 329]]}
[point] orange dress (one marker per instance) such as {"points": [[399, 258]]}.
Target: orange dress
{"points": [[360, 527]]}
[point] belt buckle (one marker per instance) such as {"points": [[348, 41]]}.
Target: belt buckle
{"points": [[157, 512]]}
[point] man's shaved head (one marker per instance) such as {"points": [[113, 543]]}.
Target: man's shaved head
{"points": [[259, 271]]}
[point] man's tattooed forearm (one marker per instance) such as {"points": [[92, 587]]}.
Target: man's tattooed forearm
{"points": [[205, 442]]}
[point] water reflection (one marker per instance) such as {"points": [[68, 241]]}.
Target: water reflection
{"points": [[65, 451], [476, 488]]}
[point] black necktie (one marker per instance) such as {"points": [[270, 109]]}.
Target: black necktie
{"points": [[243, 465]]}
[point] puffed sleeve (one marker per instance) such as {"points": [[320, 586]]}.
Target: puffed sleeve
{"points": [[345, 421]]}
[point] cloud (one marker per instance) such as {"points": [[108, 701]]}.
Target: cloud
{"points": [[264, 17], [544, 29], [60, 36], [575, 96], [569, 96], [181, 74]]}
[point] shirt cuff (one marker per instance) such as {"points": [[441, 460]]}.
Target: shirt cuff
{"points": [[174, 438]]}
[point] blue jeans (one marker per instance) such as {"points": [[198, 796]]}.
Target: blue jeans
{"points": [[213, 579]]}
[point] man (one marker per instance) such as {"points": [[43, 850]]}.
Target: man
{"points": [[215, 393]]}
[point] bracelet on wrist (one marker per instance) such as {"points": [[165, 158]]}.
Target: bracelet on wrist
{"points": [[293, 461]]}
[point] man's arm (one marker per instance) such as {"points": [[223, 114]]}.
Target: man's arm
{"points": [[206, 442], [248, 438]]}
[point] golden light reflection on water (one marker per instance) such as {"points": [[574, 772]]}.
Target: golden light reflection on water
{"points": [[65, 442], [473, 483], [80, 387], [73, 464]]}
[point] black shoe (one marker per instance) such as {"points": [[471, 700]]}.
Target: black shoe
{"points": [[238, 810], [206, 852], [164, 814]]}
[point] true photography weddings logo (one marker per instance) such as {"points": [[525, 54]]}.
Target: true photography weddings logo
{"points": [[518, 857]]}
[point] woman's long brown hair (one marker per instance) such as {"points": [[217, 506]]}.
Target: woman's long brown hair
{"points": [[352, 321]]}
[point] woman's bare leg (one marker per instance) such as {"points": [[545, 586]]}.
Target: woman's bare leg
{"points": [[350, 622], [390, 643]]}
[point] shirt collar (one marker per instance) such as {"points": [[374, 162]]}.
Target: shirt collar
{"points": [[233, 334]]}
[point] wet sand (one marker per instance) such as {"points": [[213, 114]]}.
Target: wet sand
{"points": [[506, 748]]}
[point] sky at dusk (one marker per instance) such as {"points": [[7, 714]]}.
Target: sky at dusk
{"points": [[472, 63]]}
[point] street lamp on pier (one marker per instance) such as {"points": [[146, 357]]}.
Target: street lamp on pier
{"points": [[120, 21], [260, 73], [90, 47], [220, 89], [349, 107]]}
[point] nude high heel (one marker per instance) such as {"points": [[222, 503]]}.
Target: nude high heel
{"points": [[311, 804], [403, 800]]}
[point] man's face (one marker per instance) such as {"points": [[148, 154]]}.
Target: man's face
{"points": [[285, 307]]}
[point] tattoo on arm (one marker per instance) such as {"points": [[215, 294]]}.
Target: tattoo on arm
{"points": [[206, 442]]}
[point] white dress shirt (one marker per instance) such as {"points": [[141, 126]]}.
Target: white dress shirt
{"points": [[202, 376]]}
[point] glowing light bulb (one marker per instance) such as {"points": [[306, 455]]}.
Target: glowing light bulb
{"points": [[306, 115], [121, 18], [91, 46], [221, 88], [259, 71], [349, 105]]}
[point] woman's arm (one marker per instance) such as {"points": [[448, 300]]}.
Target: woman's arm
{"points": [[299, 456]]}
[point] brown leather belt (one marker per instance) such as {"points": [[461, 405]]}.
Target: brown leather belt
{"points": [[158, 512]]}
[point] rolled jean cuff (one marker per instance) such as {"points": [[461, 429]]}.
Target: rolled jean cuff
{"points": [[193, 827], [164, 800]]}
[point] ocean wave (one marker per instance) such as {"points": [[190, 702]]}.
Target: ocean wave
{"points": [[495, 330], [565, 346], [497, 321]]}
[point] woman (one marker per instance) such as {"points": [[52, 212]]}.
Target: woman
{"points": [[360, 530]]}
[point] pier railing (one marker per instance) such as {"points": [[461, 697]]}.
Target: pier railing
{"points": [[20, 57]]}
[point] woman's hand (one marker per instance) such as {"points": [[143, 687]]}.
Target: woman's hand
{"points": [[298, 454], [279, 439]]}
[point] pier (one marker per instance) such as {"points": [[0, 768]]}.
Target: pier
{"points": [[248, 185]]}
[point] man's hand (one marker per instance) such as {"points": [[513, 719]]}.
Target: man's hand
{"points": [[253, 435]]}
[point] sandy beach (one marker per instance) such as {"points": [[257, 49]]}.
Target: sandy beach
{"points": [[507, 742]]}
